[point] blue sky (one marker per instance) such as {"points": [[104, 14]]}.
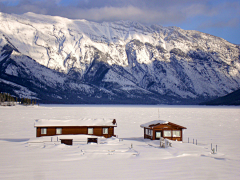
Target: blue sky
{"points": [[217, 17]]}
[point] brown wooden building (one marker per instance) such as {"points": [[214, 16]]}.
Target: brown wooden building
{"points": [[158, 128], [96, 127]]}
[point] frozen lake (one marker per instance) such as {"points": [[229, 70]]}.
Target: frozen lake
{"points": [[216, 125]]}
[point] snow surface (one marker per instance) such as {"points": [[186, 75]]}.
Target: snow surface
{"points": [[74, 122], [53, 140], [23, 156]]}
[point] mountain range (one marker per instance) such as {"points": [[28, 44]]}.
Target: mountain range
{"points": [[59, 60], [229, 99]]}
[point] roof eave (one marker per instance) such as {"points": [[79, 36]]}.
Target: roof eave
{"points": [[75, 126]]}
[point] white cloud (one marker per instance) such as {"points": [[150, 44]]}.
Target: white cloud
{"points": [[144, 11], [220, 24]]}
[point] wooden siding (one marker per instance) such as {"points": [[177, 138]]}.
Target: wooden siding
{"points": [[161, 129], [97, 131]]}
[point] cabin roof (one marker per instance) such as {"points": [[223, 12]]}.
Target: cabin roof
{"points": [[153, 123], [75, 122], [159, 122]]}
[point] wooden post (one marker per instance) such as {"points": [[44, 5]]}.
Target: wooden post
{"points": [[213, 151], [188, 139], [196, 141], [193, 141]]}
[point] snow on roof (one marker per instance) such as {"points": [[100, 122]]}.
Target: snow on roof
{"points": [[74, 122], [155, 122]]}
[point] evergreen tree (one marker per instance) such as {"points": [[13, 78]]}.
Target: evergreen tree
{"points": [[4, 97], [1, 98]]}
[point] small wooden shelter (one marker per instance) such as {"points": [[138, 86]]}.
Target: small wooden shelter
{"points": [[95, 127], [156, 129]]}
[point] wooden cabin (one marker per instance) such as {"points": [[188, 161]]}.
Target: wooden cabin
{"points": [[154, 130], [95, 127]]}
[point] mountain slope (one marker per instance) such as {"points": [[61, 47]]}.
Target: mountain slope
{"points": [[230, 99], [115, 62], [23, 77]]}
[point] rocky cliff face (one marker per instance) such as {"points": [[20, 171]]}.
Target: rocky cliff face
{"points": [[60, 60]]}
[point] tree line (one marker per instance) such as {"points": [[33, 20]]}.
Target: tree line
{"points": [[7, 99]]}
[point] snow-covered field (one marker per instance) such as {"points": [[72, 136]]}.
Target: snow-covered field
{"points": [[20, 158]]}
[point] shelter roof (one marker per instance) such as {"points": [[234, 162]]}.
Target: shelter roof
{"points": [[153, 123], [159, 122], [75, 122]]}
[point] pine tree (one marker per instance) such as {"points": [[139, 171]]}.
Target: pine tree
{"points": [[4, 97], [1, 98]]}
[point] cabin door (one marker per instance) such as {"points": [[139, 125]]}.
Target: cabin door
{"points": [[158, 134]]}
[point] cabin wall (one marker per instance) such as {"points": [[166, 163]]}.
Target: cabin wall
{"points": [[161, 129], [170, 138], [97, 131], [175, 138], [147, 136]]}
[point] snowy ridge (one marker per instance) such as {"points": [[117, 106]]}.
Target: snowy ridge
{"points": [[23, 92], [110, 59]]}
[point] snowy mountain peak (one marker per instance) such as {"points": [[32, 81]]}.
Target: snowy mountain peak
{"points": [[117, 58]]}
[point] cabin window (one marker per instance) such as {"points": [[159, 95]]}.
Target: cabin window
{"points": [[58, 130], [90, 130], [158, 134], [43, 130], [149, 132], [167, 133], [105, 130], [176, 133]]}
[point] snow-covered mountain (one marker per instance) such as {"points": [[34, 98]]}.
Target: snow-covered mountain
{"points": [[60, 60]]}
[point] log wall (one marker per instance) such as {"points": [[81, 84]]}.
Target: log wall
{"points": [[97, 131]]}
